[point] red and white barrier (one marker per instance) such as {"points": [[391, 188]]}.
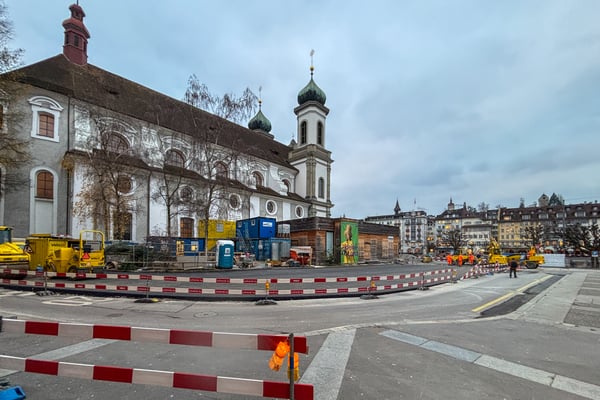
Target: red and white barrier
{"points": [[167, 336], [255, 285], [181, 380], [479, 270]]}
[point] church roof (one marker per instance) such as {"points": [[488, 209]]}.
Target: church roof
{"points": [[99, 87]]}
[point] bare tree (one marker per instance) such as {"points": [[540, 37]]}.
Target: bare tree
{"points": [[14, 152], [231, 107], [534, 234], [109, 170], [453, 238]]}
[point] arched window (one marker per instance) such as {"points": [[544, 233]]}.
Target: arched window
{"points": [[221, 170], [321, 188], [258, 179], [116, 144], [44, 185], [175, 158], [303, 132], [46, 118], [320, 133]]}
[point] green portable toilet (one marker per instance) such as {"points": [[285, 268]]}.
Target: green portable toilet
{"points": [[224, 253]]}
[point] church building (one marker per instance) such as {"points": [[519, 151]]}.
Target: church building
{"points": [[107, 153]]}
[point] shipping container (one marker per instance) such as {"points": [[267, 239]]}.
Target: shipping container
{"points": [[265, 249], [256, 228], [217, 229]]}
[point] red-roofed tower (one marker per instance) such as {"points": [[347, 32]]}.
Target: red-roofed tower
{"points": [[76, 36]]}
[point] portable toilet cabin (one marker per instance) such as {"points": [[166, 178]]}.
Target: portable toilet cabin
{"points": [[224, 253]]}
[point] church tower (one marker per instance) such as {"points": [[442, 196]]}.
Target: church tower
{"points": [[76, 36], [309, 154]]}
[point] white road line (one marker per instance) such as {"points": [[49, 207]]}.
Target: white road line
{"points": [[542, 377], [64, 352], [326, 371]]}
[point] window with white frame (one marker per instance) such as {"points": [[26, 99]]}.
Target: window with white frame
{"points": [[46, 118], [271, 207]]}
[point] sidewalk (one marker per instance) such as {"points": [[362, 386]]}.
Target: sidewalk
{"points": [[574, 300]]}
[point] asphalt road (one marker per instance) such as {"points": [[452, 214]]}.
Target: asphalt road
{"points": [[410, 345]]}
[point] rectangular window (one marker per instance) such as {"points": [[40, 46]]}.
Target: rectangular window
{"points": [[186, 227], [46, 125]]}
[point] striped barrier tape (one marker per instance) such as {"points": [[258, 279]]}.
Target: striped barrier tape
{"points": [[227, 340], [181, 380]]}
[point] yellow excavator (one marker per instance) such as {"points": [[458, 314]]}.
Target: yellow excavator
{"points": [[12, 256]]}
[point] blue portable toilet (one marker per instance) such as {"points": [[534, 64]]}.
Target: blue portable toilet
{"points": [[225, 253]]}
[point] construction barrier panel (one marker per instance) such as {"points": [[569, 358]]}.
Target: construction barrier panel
{"points": [[181, 380], [225, 286]]}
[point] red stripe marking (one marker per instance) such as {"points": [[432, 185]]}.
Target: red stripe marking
{"points": [[170, 278], [223, 280], [80, 275], [341, 279], [122, 276], [248, 291], [195, 381], [24, 283], [42, 366], [100, 287], [295, 280], [41, 328], [363, 289], [221, 291], [361, 278], [146, 277], [113, 374], [168, 290], [320, 280], [192, 338], [270, 342], [143, 289], [273, 280], [120, 287], [80, 286], [297, 291], [250, 280], [387, 287], [101, 276], [390, 277], [59, 285], [342, 290], [375, 278], [321, 291], [111, 332], [61, 274], [195, 290], [281, 390], [196, 279]]}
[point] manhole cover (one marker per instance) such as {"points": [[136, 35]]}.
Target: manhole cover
{"points": [[205, 314]]}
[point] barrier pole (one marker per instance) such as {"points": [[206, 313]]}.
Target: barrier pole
{"points": [[291, 366]]}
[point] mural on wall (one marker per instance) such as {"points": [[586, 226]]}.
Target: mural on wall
{"points": [[349, 239]]}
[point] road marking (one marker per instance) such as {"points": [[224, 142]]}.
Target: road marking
{"points": [[326, 371], [510, 294], [64, 352], [16, 293], [540, 376]]}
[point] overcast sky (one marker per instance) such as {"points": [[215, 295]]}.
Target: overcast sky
{"points": [[478, 101]]}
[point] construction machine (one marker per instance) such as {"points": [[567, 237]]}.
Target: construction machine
{"points": [[66, 254], [11, 254], [534, 260]]}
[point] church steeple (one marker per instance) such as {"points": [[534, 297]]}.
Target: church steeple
{"points": [[76, 36], [397, 208]]}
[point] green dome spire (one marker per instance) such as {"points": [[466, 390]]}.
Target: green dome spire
{"points": [[311, 92], [259, 121]]}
